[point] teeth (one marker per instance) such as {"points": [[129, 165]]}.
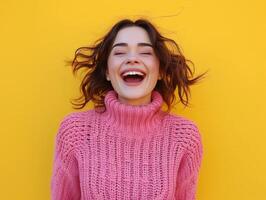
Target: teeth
{"points": [[133, 73]]}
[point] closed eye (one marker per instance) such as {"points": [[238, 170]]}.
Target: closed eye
{"points": [[147, 53], [118, 53], [144, 53]]}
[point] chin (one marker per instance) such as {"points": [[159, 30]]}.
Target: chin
{"points": [[133, 95]]}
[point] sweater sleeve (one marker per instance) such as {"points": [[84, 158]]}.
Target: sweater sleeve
{"points": [[65, 177], [190, 164]]}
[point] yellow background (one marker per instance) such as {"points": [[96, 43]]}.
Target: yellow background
{"points": [[227, 37]]}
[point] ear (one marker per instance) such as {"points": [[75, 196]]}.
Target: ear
{"points": [[107, 75]]}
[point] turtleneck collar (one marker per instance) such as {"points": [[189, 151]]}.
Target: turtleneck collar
{"points": [[133, 119]]}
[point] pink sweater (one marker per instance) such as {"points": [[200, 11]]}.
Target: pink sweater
{"points": [[127, 152]]}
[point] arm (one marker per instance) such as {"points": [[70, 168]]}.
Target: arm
{"points": [[65, 177], [188, 172]]}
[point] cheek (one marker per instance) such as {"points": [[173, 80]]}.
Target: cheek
{"points": [[154, 65], [112, 66], [113, 62]]}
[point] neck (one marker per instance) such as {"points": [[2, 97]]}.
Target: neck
{"points": [[138, 120], [136, 102]]}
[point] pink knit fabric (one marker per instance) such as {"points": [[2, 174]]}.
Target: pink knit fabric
{"points": [[127, 152]]}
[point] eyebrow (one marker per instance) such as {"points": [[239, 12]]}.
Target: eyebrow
{"points": [[139, 44]]}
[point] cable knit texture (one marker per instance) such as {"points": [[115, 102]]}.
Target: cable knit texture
{"points": [[127, 152]]}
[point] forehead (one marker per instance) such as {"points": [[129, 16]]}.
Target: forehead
{"points": [[132, 35]]}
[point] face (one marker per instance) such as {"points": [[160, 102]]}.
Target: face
{"points": [[132, 51]]}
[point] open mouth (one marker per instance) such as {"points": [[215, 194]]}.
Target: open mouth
{"points": [[135, 78]]}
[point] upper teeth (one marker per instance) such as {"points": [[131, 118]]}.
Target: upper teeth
{"points": [[133, 73]]}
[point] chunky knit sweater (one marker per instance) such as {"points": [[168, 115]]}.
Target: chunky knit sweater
{"points": [[126, 152]]}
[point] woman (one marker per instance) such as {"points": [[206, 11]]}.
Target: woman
{"points": [[127, 147]]}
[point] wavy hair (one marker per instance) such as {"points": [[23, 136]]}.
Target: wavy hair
{"points": [[174, 68]]}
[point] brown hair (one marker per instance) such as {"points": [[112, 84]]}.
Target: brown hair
{"points": [[174, 68]]}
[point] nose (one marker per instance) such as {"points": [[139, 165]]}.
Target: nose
{"points": [[132, 59]]}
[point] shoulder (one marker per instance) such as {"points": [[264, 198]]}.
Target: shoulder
{"points": [[75, 120], [186, 135], [183, 125], [186, 132], [76, 116], [71, 128]]}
